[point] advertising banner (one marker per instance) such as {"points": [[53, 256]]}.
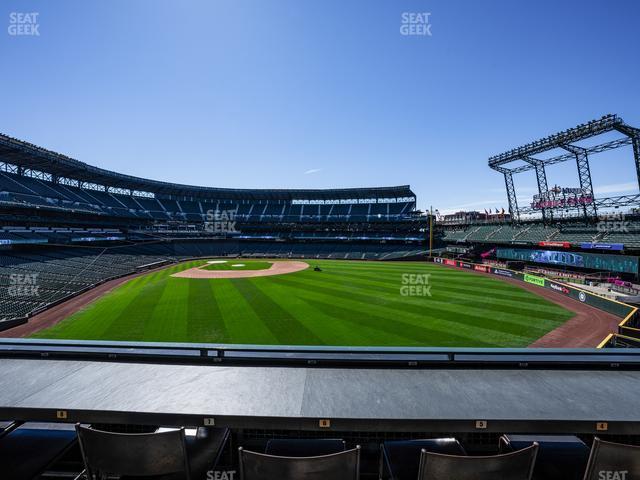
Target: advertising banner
{"points": [[533, 279], [502, 272], [602, 246], [23, 241], [559, 288], [594, 261], [554, 244]]}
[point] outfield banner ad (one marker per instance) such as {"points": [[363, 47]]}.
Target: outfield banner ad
{"points": [[554, 244], [533, 279], [503, 273], [595, 261], [602, 246], [616, 308], [482, 268]]}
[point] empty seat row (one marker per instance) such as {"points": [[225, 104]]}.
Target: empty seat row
{"points": [[179, 453]]}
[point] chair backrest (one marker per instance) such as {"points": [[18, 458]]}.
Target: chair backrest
{"points": [[514, 466], [610, 460], [133, 454], [305, 447], [401, 458], [337, 466]]}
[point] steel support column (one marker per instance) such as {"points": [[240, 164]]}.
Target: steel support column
{"points": [[584, 175], [634, 135], [543, 188], [511, 196], [636, 155]]}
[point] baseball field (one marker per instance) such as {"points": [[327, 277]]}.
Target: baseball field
{"points": [[345, 303]]}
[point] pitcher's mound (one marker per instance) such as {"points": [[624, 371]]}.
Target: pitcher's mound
{"points": [[277, 268]]}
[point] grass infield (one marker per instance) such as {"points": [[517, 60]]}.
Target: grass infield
{"points": [[347, 303]]}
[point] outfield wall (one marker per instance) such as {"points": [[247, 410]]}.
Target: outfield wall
{"points": [[630, 319]]}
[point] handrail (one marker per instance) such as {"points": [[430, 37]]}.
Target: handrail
{"points": [[320, 356]]}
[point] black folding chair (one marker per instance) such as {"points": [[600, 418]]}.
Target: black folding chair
{"points": [[26, 451], [337, 466], [306, 447], [160, 454], [560, 457], [609, 460], [400, 459], [513, 466]]}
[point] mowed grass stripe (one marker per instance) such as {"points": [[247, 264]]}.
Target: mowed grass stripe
{"points": [[241, 322], [204, 320], [285, 327], [167, 321], [330, 330], [412, 335], [394, 303], [481, 285], [130, 323], [491, 299], [419, 317]]}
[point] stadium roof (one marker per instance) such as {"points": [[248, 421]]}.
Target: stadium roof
{"points": [[27, 155]]}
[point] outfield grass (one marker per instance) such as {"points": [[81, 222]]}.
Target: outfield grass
{"points": [[348, 303], [243, 265]]}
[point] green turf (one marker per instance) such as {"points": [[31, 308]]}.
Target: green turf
{"points": [[246, 265], [347, 303]]}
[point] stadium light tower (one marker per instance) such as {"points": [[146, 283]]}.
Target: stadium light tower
{"points": [[584, 199]]}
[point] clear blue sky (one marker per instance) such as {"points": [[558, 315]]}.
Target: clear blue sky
{"points": [[320, 93]]}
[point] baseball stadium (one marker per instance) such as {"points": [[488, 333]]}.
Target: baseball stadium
{"points": [[99, 263], [276, 240], [91, 254]]}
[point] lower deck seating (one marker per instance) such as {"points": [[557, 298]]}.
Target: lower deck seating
{"points": [[31, 281]]}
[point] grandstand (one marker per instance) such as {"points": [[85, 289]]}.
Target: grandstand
{"points": [[35, 178], [534, 232]]}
